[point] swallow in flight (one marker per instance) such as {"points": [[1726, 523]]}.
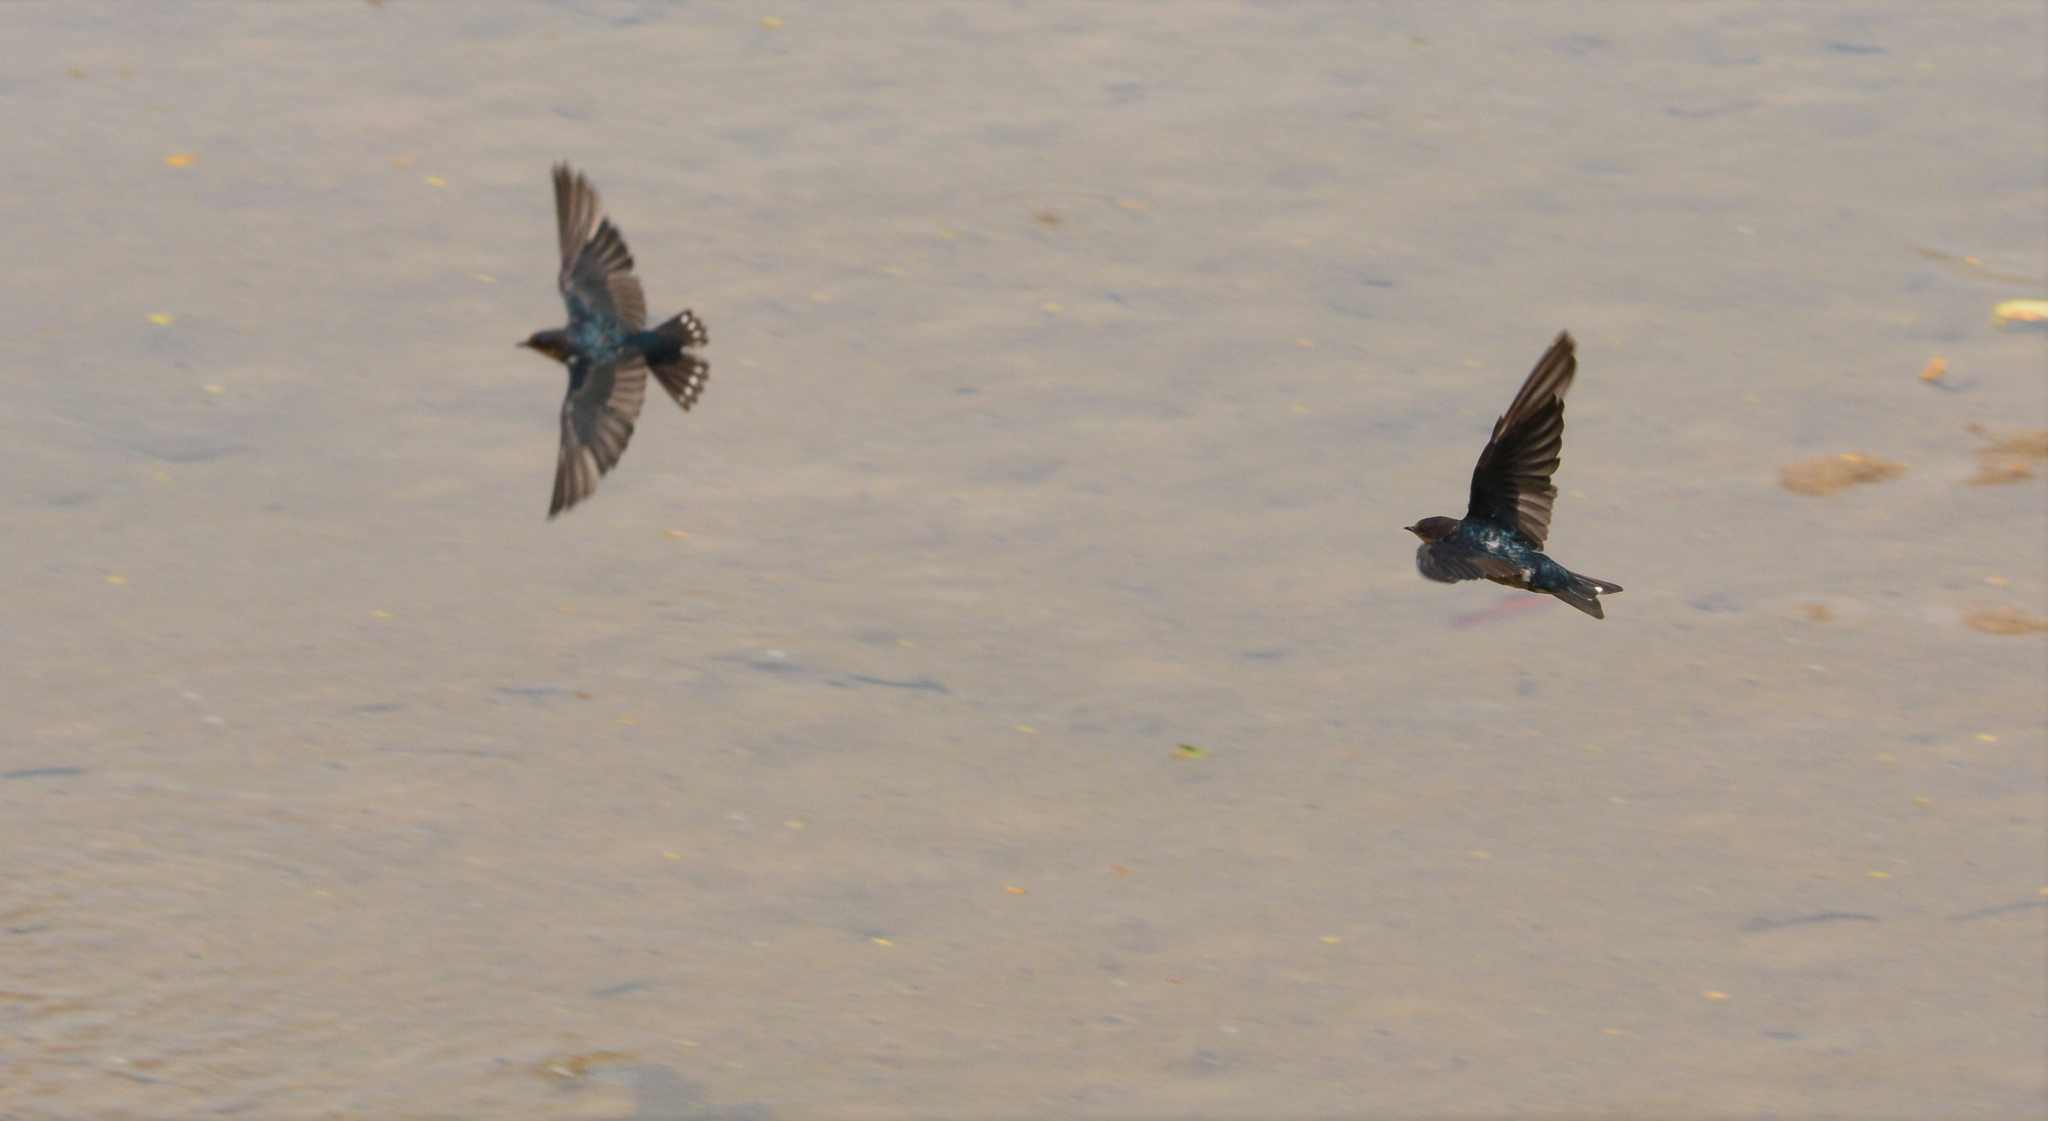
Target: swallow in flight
{"points": [[1500, 538], [607, 346]]}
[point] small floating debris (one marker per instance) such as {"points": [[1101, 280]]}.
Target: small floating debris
{"points": [[574, 1068], [2009, 458], [1971, 265], [2005, 621], [1830, 473], [2021, 313]]}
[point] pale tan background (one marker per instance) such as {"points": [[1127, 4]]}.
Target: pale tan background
{"points": [[336, 782]]}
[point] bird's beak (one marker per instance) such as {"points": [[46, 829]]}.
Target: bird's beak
{"points": [[1412, 530], [523, 342]]}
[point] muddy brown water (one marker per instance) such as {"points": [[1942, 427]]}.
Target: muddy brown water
{"points": [[1075, 368]]}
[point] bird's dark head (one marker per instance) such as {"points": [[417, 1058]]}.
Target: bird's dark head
{"points": [[554, 344], [1433, 529]]}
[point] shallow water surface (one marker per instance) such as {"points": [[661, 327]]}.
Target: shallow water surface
{"points": [[1074, 369]]}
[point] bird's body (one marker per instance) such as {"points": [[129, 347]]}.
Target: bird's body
{"points": [[1501, 536], [1500, 554], [607, 346]]}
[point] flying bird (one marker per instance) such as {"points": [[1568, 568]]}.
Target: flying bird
{"points": [[1500, 538], [607, 346]]}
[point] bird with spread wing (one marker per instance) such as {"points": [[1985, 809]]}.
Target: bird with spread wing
{"points": [[608, 348], [1501, 536]]}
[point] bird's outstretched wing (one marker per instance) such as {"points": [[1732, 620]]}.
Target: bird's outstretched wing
{"points": [[597, 270], [1448, 564], [597, 420], [1511, 483]]}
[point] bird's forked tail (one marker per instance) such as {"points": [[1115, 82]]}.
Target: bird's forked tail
{"points": [[681, 373], [1584, 592]]}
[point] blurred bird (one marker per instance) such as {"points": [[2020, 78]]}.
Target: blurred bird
{"points": [[1501, 535], [607, 345]]}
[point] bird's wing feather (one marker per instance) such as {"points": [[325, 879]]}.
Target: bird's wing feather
{"points": [[597, 422], [1448, 564], [597, 269], [576, 208], [1511, 483]]}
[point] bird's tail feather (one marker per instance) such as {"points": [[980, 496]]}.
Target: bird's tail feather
{"points": [[1584, 593], [685, 328], [683, 374]]}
